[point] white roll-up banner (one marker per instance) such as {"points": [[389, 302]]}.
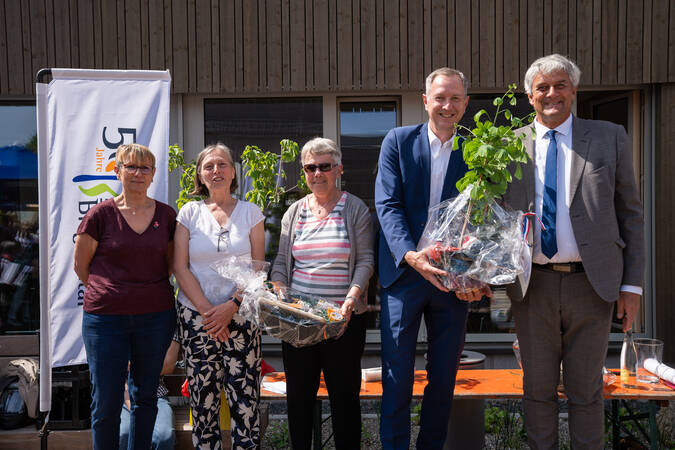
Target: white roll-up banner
{"points": [[83, 116]]}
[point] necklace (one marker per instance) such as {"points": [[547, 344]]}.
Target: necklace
{"points": [[322, 209]]}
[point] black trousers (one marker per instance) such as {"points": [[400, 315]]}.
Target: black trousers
{"points": [[340, 361]]}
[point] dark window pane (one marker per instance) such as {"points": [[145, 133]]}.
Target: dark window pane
{"points": [[264, 122], [19, 287]]}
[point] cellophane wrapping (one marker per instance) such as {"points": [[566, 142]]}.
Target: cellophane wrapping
{"points": [[473, 255], [295, 318]]}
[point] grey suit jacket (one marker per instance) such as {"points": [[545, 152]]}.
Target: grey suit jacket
{"points": [[605, 211]]}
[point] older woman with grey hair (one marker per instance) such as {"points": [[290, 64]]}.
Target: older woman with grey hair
{"points": [[326, 249]]}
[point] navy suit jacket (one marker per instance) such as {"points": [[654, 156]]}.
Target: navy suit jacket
{"points": [[402, 195]]}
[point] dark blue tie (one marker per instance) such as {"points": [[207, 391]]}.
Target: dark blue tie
{"points": [[549, 246]]}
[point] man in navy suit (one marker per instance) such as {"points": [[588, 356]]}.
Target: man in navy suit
{"points": [[417, 170]]}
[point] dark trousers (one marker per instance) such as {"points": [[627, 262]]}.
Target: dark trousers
{"points": [[111, 342], [562, 319], [340, 360], [403, 305]]}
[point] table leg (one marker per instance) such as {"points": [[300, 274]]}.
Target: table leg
{"points": [[615, 425], [653, 429], [317, 424]]}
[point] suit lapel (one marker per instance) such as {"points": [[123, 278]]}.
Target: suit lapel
{"points": [[454, 171], [580, 146], [422, 146]]}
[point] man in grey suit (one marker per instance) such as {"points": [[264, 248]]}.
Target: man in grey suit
{"points": [[590, 255]]}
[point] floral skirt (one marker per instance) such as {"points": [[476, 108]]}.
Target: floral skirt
{"points": [[212, 365]]}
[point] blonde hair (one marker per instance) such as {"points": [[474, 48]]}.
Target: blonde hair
{"points": [[447, 72], [200, 189], [133, 152]]}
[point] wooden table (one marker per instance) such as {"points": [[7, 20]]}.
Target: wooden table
{"points": [[507, 384]]}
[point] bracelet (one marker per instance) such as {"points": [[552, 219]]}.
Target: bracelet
{"points": [[351, 297], [236, 301]]}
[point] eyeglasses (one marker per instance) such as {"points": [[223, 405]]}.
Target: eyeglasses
{"points": [[323, 167], [131, 168], [223, 235]]}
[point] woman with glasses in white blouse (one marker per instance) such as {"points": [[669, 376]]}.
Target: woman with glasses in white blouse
{"points": [[222, 349]]}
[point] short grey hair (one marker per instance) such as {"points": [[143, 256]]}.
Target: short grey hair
{"points": [[321, 146], [549, 64], [448, 72]]}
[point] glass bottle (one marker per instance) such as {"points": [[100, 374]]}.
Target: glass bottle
{"points": [[628, 360]]}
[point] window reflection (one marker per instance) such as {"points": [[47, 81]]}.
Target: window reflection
{"points": [[19, 291]]}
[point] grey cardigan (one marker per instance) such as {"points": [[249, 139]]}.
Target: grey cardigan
{"points": [[360, 232]]}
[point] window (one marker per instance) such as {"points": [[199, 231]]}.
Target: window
{"points": [[19, 281]]}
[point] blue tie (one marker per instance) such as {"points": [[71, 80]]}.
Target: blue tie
{"points": [[549, 246]]}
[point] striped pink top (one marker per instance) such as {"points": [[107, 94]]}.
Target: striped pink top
{"points": [[321, 253]]}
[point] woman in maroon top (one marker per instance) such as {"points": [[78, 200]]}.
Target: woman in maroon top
{"points": [[123, 250]]}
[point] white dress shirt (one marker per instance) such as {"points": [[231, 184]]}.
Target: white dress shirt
{"points": [[440, 157], [567, 243]]}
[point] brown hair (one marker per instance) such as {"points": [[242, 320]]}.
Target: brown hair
{"points": [[200, 189], [133, 152]]}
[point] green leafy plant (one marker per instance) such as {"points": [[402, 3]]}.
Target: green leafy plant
{"points": [[177, 161], [278, 436], [506, 424], [265, 169], [489, 152]]}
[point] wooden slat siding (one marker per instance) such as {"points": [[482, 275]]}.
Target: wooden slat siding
{"points": [[49, 18], [368, 46], [264, 42], [475, 40], [228, 66], [647, 40], [379, 42], [427, 31], [535, 31], [572, 29], [343, 18], [392, 45], [660, 41], [98, 38], [415, 53], [547, 15], [438, 25], [598, 48], [286, 45], [249, 15], [559, 27], [499, 43], [215, 46], [634, 38], [14, 45], [522, 44], [85, 25], [109, 47], [403, 45], [179, 50], [297, 43], [203, 48], [145, 33], [671, 46], [156, 34], [74, 35], [25, 46], [609, 57], [4, 63], [463, 39], [357, 44], [511, 43], [487, 53], [274, 51], [664, 215], [621, 44], [121, 36], [584, 57], [168, 38], [192, 46], [38, 21]]}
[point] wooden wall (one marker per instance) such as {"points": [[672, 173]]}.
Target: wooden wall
{"points": [[664, 219], [275, 46]]}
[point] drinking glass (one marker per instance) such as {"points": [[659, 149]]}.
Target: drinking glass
{"points": [[645, 349]]}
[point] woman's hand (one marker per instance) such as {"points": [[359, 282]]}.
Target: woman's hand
{"points": [[217, 320], [348, 307]]}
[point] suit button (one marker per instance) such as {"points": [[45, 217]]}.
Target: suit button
{"points": [[422, 224]]}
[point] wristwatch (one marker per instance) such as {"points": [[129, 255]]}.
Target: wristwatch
{"points": [[236, 301]]}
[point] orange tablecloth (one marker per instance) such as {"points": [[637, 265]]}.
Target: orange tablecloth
{"points": [[485, 384]]}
